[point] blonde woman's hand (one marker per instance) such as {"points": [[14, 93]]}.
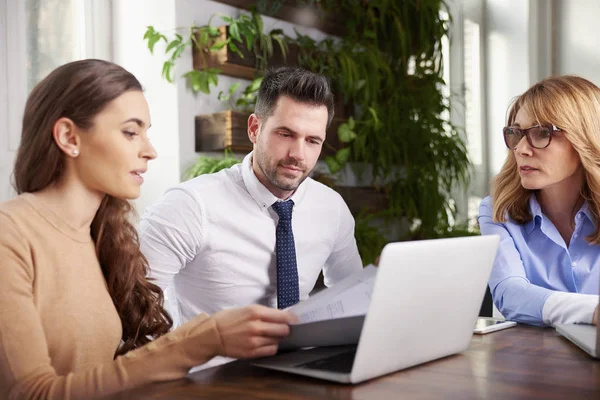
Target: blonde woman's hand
{"points": [[596, 315], [253, 331]]}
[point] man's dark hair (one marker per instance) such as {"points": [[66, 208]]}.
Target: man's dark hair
{"points": [[297, 83]]}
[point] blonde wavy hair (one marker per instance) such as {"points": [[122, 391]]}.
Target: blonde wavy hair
{"points": [[572, 104]]}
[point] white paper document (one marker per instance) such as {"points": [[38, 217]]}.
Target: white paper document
{"points": [[333, 316], [348, 298]]}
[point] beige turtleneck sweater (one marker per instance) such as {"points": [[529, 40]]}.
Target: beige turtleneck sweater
{"points": [[59, 329]]}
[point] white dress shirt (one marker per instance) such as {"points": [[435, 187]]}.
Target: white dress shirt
{"points": [[210, 241]]}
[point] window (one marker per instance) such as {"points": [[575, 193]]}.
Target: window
{"points": [[52, 36], [37, 36], [473, 116], [465, 61], [472, 59]]}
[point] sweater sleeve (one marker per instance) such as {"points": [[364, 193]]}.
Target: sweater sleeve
{"points": [[26, 370]]}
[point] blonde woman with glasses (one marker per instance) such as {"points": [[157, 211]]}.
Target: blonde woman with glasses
{"points": [[545, 205]]}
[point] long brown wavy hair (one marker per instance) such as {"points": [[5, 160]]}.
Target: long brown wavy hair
{"points": [[571, 103], [79, 91]]}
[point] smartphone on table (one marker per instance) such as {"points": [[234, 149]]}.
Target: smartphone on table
{"points": [[488, 324]]}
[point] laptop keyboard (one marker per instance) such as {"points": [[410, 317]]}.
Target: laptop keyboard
{"points": [[338, 363]]}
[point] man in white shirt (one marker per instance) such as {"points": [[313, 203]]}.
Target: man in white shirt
{"points": [[260, 231]]}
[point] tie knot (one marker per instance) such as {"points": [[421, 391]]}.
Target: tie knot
{"points": [[284, 209]]}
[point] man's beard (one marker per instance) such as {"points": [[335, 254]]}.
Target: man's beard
{"points": [[269, 168]]}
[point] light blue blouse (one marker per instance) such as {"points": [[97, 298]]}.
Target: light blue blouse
{"points": [[533, 261]]}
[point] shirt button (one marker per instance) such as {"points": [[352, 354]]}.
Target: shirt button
{"points": [[573, 264], [579, 215], [575, 236]]}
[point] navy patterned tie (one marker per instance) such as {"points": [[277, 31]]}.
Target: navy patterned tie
{"points": [[288, 293]]}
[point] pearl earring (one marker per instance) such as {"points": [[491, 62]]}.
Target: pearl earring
{"points": [[75, 152]]}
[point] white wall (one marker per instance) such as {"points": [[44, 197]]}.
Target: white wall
{"points": [[577, 34], [130, 19]]}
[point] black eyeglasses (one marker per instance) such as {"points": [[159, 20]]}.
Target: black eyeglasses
{"points": [[538, 136]]}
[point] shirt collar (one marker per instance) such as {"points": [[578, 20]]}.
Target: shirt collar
{"points": [[536, 213], [588, 213], [261, 195]]}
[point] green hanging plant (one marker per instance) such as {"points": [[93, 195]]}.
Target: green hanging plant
{"points": [[245, 31], [388, 67], [210, 165]]}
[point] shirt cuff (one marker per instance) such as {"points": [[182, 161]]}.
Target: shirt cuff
{"points": [[569, 308]]}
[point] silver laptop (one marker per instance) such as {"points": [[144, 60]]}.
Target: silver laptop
{"points": [[587, 337], [424, 305]]}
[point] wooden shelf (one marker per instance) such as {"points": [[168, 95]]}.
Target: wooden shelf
{"points": [[223, 130], [229, 130], [231, 64], [291, 11]]}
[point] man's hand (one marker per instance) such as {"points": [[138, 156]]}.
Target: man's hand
{"points": [[253, 331]]}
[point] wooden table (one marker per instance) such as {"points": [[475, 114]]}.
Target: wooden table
{"points": [[521, 362]]}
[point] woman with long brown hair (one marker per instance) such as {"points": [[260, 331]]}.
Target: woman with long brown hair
{"points": [[545, 206], [78, 318]]}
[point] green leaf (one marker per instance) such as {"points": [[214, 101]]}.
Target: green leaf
{"points": [[258, 23], [213, 31], [196, 83], [153, 39], [218, 45], [177, 53], [213, 78], [351, 123], [172, 45], [375, 118], [282, 45], [233, 88], [234, 32], [369, 34], [227, 19], [333, 165], [204, 86], [247, 32], [342, 156], [223, 97], [202, 39], [235, 49], [254, 85], [345, 133], [198, 80], [166, 71], [149, 32]]}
